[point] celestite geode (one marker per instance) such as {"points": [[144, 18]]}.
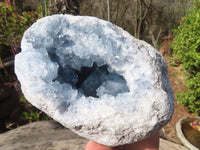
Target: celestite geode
{"points": [[95, 78]]}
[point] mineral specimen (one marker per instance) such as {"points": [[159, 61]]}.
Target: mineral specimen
{"points": [[95, 78]]}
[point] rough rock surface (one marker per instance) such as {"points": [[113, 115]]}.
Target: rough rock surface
{"points": [[95, 78], [48, 135], [44, 135]]}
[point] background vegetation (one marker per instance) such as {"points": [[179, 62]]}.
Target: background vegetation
{"points": [[14, 109], [186, 50]]}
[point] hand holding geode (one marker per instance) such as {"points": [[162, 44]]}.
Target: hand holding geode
{"points": [[95, 78]]}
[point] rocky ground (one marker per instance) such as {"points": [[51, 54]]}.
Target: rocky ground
{"points": [[49, 135]]}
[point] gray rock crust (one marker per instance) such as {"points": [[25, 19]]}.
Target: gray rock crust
{"points": [[95, 78]]}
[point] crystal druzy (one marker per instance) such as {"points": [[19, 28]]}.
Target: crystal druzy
{"points": [[95, 78]]}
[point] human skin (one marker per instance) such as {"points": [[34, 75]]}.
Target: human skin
{"points": [[151, 143]]}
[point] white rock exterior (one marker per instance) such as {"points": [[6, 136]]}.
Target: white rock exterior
{"points": [[126, 96]]}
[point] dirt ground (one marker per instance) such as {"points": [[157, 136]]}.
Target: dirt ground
{"points": [[177, 82]]}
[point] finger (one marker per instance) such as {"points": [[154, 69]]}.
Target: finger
{"points": [[151, 143], [96, 146]]}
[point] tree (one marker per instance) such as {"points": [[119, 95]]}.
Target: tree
{"points": [[64, 7], [143, 8], [108, 9]]}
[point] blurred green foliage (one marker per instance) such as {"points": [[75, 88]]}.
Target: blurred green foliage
{"points": [[13, 24], [32, 114], [186, 50], [43, 8]]}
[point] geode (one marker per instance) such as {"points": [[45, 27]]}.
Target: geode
{"points": [[95, 78]]}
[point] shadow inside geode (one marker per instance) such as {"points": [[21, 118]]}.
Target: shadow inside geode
{"points": [[92, 81]]}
